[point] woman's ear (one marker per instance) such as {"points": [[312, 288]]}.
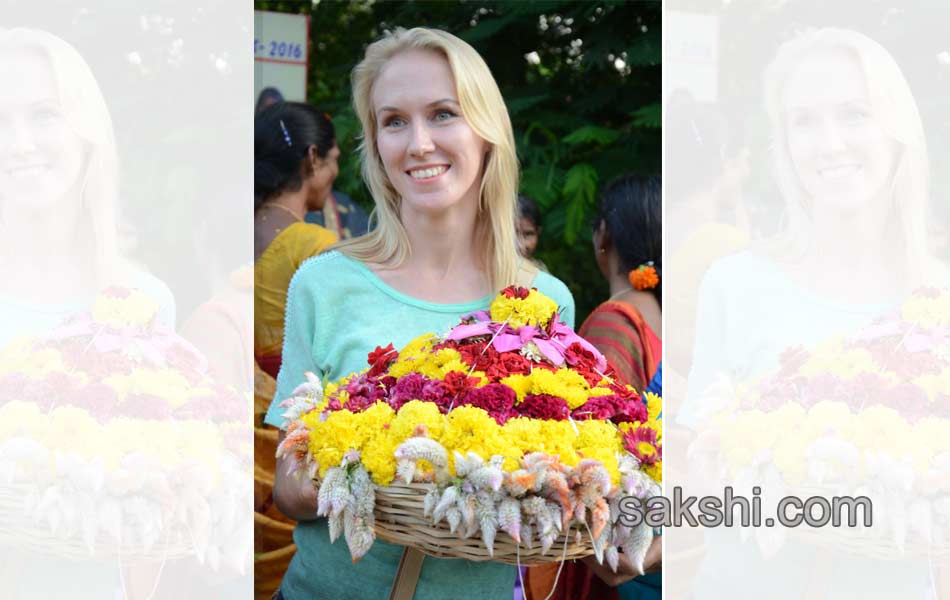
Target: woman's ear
{"points": [[313, 160]]}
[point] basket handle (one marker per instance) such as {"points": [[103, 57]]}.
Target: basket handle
{"points": [[407, 575]]}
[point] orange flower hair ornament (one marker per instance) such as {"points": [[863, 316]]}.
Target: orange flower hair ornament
{"points": [[644, 277]]}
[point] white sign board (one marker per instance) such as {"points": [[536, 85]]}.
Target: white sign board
{"points": [[280, 53], [691, 54]]}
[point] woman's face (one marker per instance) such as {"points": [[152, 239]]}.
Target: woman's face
{"points": [[842, 156], [321, 179], [431, 155], [527, 236], [40, 155]]}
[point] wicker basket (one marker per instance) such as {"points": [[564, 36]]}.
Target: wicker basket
{"points": [[269, 569], [18, 530], [400, 520]]}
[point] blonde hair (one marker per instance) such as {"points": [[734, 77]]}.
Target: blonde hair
{"points": [[484, 110], [894, 108], [85, 110]]}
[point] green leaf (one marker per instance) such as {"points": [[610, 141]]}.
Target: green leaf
{"points": [[517, 105], [486, 28], [580, 187], [650, 116], [591, 134]]}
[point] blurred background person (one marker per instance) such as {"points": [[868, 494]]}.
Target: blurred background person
{"points": [[341, 215], [628, 244], [528, 226], [295, 164], [268, 97]]}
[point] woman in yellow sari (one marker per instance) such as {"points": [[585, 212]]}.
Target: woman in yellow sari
{"points": [[295, 164]]}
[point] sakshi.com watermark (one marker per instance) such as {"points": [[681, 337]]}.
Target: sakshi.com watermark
{"points": [[715, 511]]}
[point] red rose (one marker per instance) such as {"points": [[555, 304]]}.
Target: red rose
{"points": [[380, 359], [479, 355], [457, 384], [516, 292], [508, 363]]}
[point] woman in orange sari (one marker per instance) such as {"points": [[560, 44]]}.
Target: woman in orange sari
{"points": [[627, 329], [295, 164]]}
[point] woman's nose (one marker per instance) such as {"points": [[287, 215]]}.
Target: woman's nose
{"points": [[420, 143]]}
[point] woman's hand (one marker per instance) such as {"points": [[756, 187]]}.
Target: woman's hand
{"points": [[294, 497], [652, 563]]}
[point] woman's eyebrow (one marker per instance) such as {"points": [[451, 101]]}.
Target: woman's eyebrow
{"points": [[383, 109]]}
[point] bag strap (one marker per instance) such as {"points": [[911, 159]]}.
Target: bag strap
{"points": [[407, 575]]}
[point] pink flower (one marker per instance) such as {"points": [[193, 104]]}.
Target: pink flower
{"points": [[642, 443], [415, 386]]}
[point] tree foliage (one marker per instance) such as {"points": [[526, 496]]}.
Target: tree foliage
{"points": [[581, 81]]}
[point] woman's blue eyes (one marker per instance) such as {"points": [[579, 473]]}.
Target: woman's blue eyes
{"points": [[440, 116]]}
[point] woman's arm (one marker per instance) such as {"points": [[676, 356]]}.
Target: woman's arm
{"points": [[296, 498]]}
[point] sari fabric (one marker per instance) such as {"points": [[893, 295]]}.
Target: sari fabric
{"points": [[272, 273]]}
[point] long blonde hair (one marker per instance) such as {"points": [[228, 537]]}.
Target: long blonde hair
{"points": [[484, 110], [893, 106], [85, 110]]}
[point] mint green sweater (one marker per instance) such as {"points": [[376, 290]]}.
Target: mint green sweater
{"points": [[338, 311]]}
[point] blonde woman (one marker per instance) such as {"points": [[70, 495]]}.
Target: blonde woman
{"points": [[851, 163], [58, 186], [438, 156]]}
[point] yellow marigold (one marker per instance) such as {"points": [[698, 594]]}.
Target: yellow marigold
{"points": [[416, 357], [471, 429], [379, 460], [655, 471], [599, 440], [654, 406], [455, 365], [521, 384], [343, 431], [413, 414], [537, 309], [563, 383], [599, 391], [525, 435]]}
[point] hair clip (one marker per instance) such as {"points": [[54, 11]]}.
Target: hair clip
{"points": [[644, 277], [286, 133]]}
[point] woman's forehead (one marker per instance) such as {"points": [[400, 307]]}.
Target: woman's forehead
{"points": [[412, 78]]}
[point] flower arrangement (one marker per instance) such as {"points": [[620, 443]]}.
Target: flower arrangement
{"points": [[114, 439], [867, 413], [513, 420]]}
